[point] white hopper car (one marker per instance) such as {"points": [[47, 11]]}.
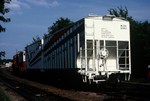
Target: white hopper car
{"points": [[94, 48]]}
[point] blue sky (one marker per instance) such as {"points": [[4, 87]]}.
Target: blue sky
{"points": [[31, 18]]}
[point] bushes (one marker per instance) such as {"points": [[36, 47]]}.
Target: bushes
{"points": [[3, 96]]}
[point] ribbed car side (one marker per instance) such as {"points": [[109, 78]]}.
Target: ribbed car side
{"points": [[92, 49]]}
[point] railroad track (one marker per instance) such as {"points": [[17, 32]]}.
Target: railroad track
{"points": [[137, 90], [49, 92], [128, 91], [30, 93]]}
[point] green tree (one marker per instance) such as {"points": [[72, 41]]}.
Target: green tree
{"points": [[120, 12], [37, 38], [3, 11], [60, 23], [2, 54]]}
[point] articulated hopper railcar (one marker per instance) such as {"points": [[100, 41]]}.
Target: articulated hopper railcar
{"points": [[93, 48]]}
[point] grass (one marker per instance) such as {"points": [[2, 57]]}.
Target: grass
{"points": [[3, 96]]}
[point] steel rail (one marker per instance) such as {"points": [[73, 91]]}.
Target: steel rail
{"points": [[30, 93]]}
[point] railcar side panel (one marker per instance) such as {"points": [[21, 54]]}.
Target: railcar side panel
{"points": [[61, 55]]}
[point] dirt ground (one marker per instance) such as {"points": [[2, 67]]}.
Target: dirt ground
{"points": [[70, 94]]}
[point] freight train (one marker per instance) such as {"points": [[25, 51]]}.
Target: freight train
{"points": [[19, 63], [92, 49]]}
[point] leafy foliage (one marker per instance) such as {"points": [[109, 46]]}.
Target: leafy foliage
{"points": [[119, 12], [3, 96], [60, 23], [3, 11], [36, 39], [2, 54]]}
